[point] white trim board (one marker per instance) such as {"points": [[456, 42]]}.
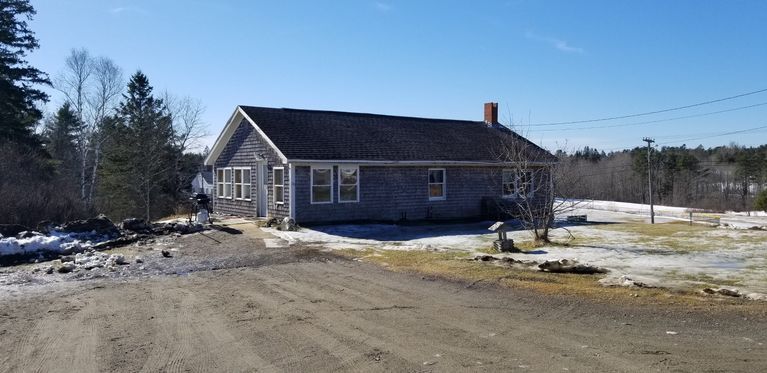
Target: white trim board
{"points": [[228, 131]]}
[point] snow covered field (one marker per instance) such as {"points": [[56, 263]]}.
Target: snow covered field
{"points": [[670, 254]]}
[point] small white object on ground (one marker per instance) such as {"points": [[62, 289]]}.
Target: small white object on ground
{"points": [[203, 217]]}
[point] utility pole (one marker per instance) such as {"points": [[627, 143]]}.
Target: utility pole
{"points": [[649, 141]]}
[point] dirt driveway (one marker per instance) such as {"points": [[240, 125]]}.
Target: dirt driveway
{"points": [[233, 305]]}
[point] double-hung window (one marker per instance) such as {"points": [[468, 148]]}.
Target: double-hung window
{"points": [[525, 184], [348, 184], [242, 183], [436, 184], [224, 183], [322, 184], [517, 184], [278, 185], [509, 184]]}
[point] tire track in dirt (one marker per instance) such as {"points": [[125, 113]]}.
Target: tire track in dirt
{"points": [[59, 340], [392, 324], [219, 336], [348, 353], [192, 337], [288, 347], [464, 335], [352, 324], [172, 322]]}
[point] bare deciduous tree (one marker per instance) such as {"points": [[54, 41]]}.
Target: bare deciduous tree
{"points": [[186, 114], [536, 186], [92, 86]]}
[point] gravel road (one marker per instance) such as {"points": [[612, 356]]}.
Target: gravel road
{"points": [[226, 303]]}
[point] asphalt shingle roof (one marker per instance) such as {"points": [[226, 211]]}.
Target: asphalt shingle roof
{"points": [[331, 135]]}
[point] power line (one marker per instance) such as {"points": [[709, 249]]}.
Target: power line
{"points": [[717, 135], [652, 112], [654, 121]]}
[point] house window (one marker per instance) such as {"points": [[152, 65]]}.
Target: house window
{"points": [[348, 184], [242, 183], [436, 184], [224, 182], [517, 184], [322, 184], [279, 185]]}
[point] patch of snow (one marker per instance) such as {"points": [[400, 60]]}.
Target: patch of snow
{"points": [[717, 257], [56, 241], [393, 237]]}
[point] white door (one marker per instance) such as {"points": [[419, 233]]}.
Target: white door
{"points": [[263, 189]]}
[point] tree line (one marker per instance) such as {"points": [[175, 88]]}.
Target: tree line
{"points": [[111, 147], [720, 178]]}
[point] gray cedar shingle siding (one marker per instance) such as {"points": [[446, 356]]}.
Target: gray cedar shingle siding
{"points": [[394, 154], [391, 193], [240, 151]]}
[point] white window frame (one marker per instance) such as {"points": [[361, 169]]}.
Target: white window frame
{"points": [[444, 185], [311, 184], [222, 184], [517, 177], [280, 185], [349, 167], [242, 183]]}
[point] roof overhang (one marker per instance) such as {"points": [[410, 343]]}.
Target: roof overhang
{"points": [[231, 125]]}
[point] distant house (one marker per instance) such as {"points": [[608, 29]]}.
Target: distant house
{"points": [[203, 183], [325, 166]]}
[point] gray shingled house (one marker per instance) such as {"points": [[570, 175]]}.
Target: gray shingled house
{"points": [[325, 166]]}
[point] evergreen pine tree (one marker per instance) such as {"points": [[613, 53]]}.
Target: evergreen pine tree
{"points": [[60, 135], [139, 157], [18, 97]]}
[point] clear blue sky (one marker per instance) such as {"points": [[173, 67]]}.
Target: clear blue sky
{"points": [[543, 61]]}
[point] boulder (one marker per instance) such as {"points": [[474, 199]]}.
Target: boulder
{"points": [[11, 230], [723, 291], [135, 224], [100, 225], [118, 259], [271, 222], [288, 224], [67, 258], [569, 266], [485, 258], [45, 226], [67, 267]]}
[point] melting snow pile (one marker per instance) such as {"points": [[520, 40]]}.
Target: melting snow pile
{"points": [[55, 242]]}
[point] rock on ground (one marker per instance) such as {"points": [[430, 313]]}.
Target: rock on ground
{"points": [[100, 225]]}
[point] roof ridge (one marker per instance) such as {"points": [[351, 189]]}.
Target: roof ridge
{"points": [[366, 114]]}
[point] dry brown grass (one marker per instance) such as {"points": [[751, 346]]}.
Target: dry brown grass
{"points": [[458, 266], [659, 230]]}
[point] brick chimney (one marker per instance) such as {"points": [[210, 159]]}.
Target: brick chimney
{"points": [[491, 113]]}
